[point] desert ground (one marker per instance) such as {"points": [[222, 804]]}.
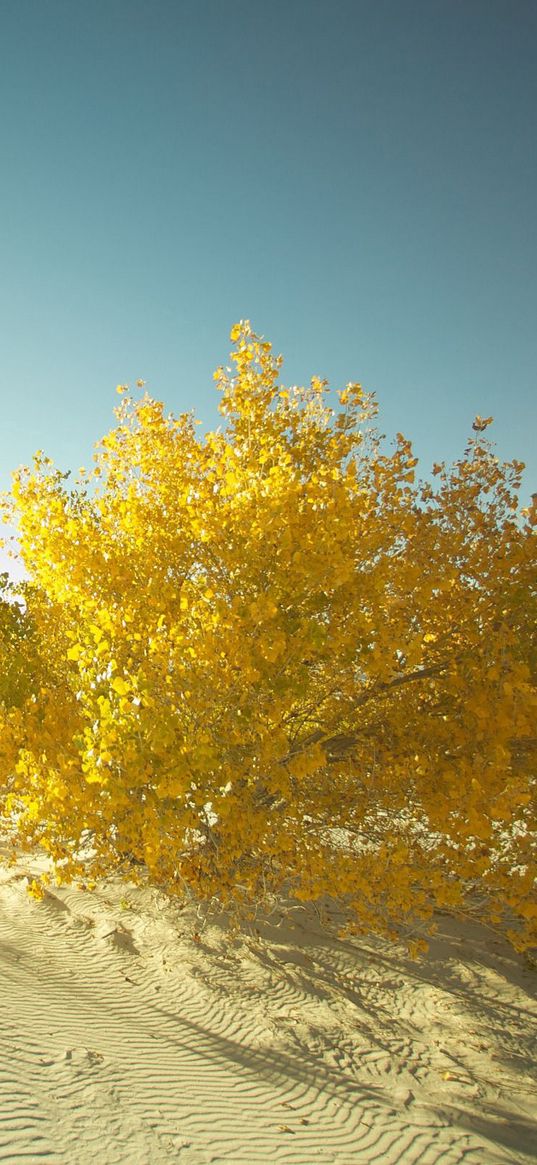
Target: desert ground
{"points": [[132, 1033]]}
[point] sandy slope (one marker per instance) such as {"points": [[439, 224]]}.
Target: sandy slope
{"points": [[123, 1038]]}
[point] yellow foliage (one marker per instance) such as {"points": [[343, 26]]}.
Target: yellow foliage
{"points": [[267, 658]]}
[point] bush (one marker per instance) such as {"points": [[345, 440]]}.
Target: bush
{"points": [[268, 659]]}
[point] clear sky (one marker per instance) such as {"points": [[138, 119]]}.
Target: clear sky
{"points": [[357, 177]]}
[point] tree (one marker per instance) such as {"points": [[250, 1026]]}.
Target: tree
{"points": [[271, 660]]}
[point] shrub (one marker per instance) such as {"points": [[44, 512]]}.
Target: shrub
{"points": [[269, 659]]}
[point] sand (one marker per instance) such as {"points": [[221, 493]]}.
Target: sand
{"points": [[130, 1035]]}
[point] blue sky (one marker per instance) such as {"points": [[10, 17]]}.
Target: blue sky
{"points": [[359, 178]]}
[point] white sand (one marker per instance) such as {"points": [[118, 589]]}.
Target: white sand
{"points": [[123, 1039]]}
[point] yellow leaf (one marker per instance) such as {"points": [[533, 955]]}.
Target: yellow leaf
{"points": [[36, 890]]}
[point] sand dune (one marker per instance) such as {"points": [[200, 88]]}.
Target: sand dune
{"points": [[128, 1036]]}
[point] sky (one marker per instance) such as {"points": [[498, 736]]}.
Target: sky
{"points": [[356, 177]]}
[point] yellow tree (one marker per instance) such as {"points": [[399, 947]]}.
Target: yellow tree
{"points": [[271, 660]]}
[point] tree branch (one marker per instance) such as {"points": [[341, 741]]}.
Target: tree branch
{"points": [[325, 735]]}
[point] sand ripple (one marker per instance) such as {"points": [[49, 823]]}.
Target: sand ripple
{"points": [[128, 1037]]}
